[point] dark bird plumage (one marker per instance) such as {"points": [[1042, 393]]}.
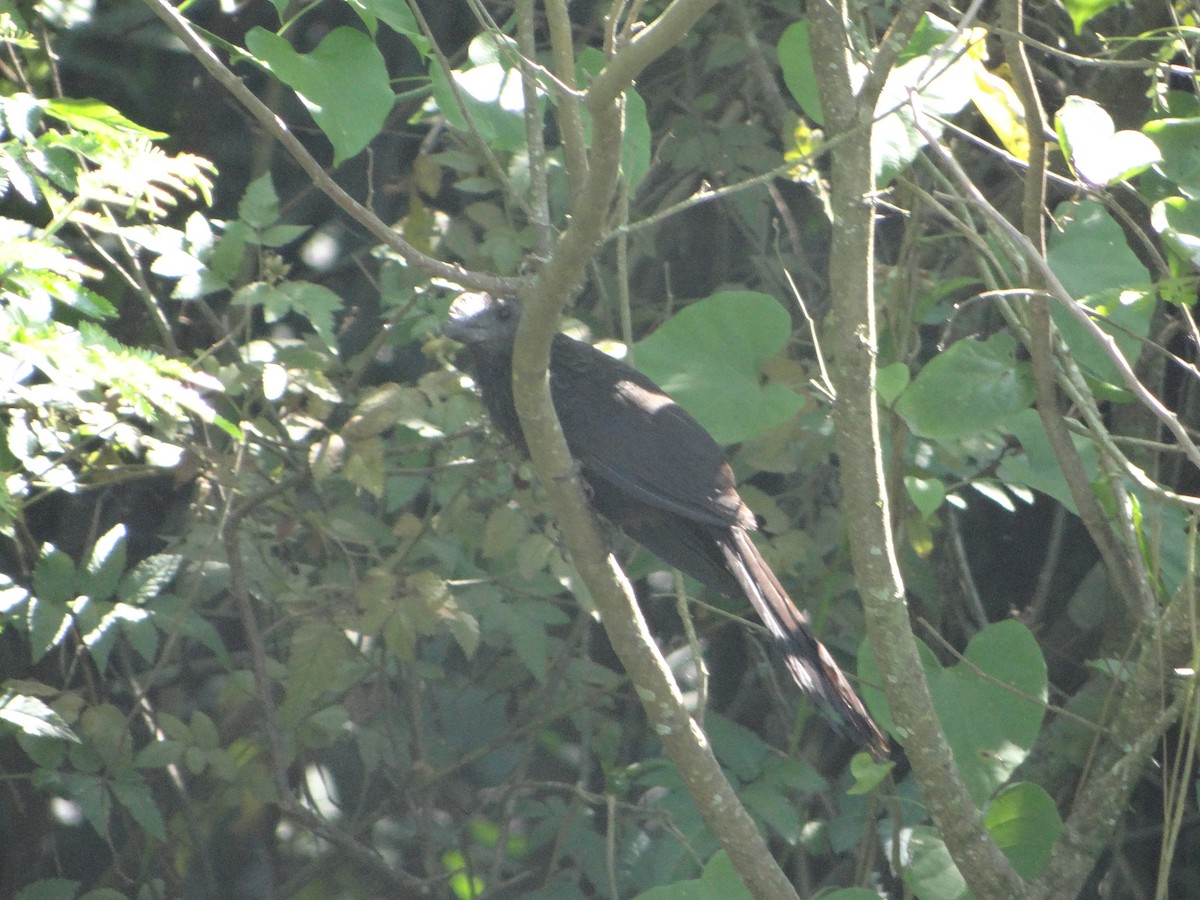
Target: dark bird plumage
{"points": [[655, 473]]}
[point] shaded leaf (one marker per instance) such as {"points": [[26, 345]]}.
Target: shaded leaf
{"points": [[343, 83], [710, 355], [971, 387]]}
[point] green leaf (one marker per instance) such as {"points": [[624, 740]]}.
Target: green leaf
{"points": [[50, 889], [31, 716], [940, 78], [709, 357], [1038, 466], [343, 83], [318, 650], [48, 624], [100, 636], [204, 732], [489, 91], [148, 578], [1177, 221], [868, 774], [313, 302], [771, 806], [926, 494], [133, 794], [98, 118], [106, 564], [159, 755], [637, 141], [11, 595], [526, 625], [397, 16], [890, 382], [317, 304], [1089, 254], [738, 749], [971, 387], [91, 794], [1083, 11], [259, 206], [1098, 154], [55, 580], [1004, 673], [1178, 139], [1024, 822], [718, 881], [928, 869], [107, 733], [795, 61]]}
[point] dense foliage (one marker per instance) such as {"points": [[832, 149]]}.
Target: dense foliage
{"points": [[283, 618]]}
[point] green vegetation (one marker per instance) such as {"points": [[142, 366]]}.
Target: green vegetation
{"points": [[282, 618]]}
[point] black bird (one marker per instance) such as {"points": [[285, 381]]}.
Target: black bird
{"points": [[655, 473]]}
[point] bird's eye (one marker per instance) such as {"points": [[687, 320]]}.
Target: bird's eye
{"points": [[503, 312]]}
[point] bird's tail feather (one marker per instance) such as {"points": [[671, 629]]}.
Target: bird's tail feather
{"points": [[810, 664]]}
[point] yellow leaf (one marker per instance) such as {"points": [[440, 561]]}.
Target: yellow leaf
{"points": [[998, 102]]}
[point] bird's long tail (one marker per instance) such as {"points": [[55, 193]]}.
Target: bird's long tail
{"points": [[810, 663]]}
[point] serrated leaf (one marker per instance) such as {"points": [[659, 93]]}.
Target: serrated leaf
{"points": [[98, 118], [11, 595], [158, 755], [281, 235], [259, 206], [204, 732], [135, 796], [31, 716], [148, 578], [50, 889], [105, 565], [48, 624], [55, 579], [91, 794], [107, 733]]}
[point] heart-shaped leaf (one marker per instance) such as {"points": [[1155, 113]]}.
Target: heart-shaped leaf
{"points": [[990, 704], [1099, 154], [709, 357]]}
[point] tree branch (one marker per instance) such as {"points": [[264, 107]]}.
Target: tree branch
{"points": [[681, 737], [852, 335]]}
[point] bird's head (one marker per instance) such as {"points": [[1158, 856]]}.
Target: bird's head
{"points": [[478, 318]]}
